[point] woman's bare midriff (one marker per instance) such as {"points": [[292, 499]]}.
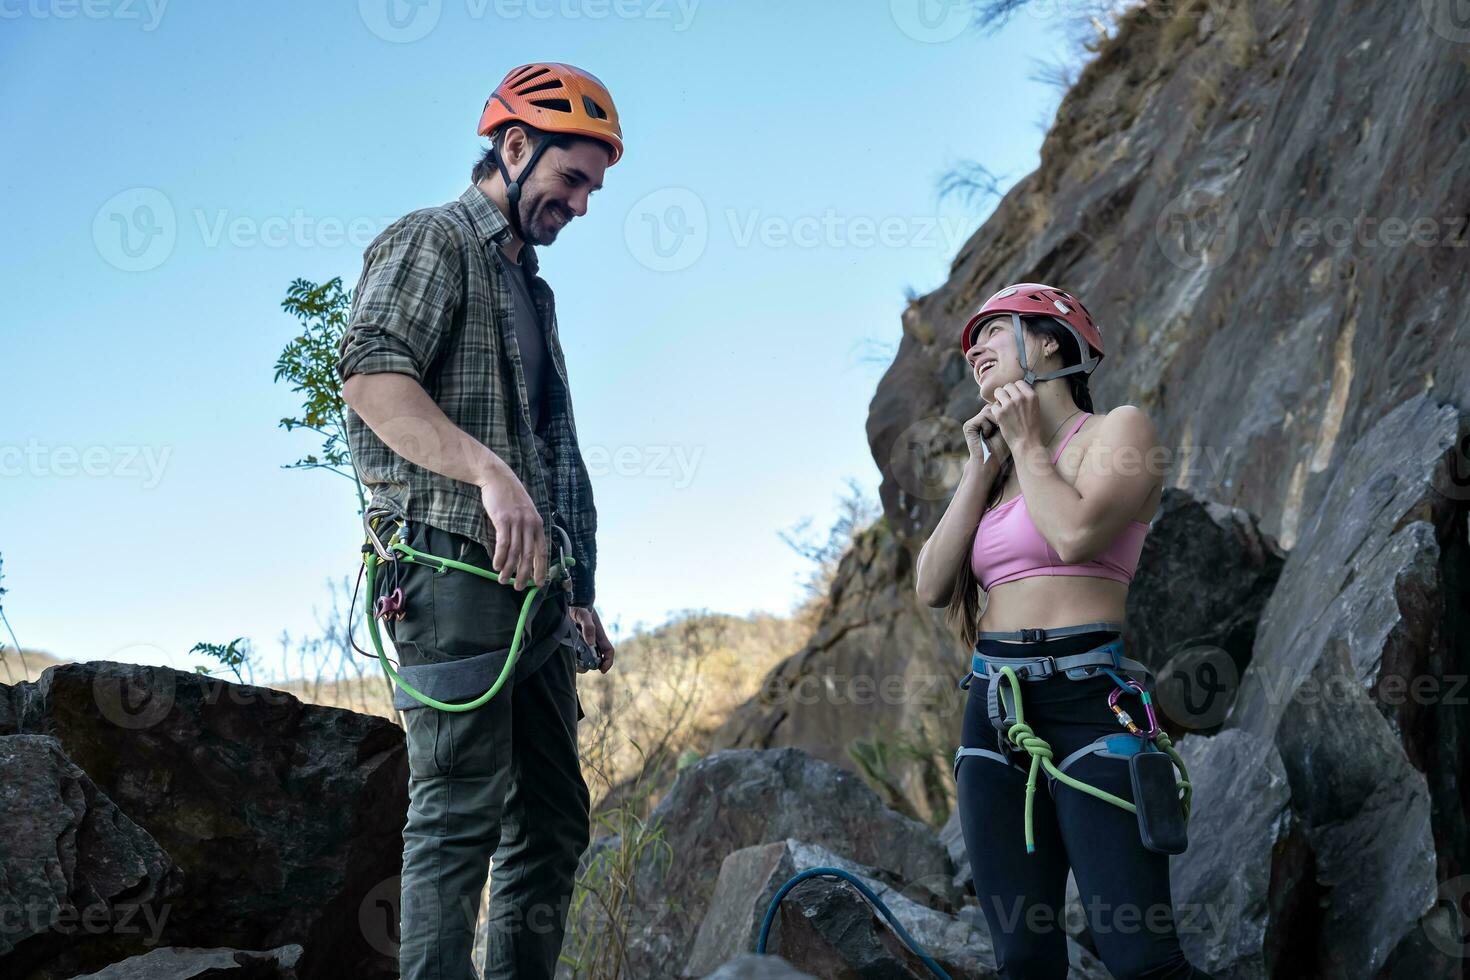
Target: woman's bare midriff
{"points": [[1053, 601]]}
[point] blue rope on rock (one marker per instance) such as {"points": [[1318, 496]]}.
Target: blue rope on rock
{"points": [[760, 945]]}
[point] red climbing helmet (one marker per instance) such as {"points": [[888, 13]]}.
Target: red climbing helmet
{"points": [[1039, 299]]}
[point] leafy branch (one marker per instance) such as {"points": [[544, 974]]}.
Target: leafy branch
{"points": [[309, 363]]}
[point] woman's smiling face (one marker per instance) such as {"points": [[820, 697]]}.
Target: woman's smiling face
{"points": [[992, 354]]}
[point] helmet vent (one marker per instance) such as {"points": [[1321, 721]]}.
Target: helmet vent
{"points": [[593, 109], [528, 73], [557, 105], [543, 87], [1063, 307]]}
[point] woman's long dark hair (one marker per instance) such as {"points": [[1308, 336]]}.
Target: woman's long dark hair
{"points": [[963, 612]]}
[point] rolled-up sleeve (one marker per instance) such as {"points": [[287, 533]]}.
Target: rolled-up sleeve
{"points": [[405, 303]]}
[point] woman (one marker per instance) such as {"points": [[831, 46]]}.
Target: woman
{"points": [[1048, 520]]}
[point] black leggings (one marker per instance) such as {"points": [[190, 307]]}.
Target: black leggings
{"points": [[1124, 886]]}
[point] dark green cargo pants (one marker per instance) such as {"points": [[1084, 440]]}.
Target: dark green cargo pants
{"points": [[501, 781]]}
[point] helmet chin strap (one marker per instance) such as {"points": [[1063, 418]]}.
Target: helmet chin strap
{"points": [[513, 187], [1029, 375]]}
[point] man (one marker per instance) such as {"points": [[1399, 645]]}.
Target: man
{"points": [[460, 421]]}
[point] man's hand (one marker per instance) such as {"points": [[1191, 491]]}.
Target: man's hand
{"points": [[520, 535], [590, 624]]}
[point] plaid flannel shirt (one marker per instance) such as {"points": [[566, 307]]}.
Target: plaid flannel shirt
{"points": [[433, 303]]}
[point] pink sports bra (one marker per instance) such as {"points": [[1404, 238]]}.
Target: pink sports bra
{"points": [[1008, 546]]}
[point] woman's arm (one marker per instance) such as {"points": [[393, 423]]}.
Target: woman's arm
{"points": [[941, 556]]}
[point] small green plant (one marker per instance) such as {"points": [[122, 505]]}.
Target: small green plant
{"points": [[309, 363], [19, 650], [233, 655], [879, 758]]}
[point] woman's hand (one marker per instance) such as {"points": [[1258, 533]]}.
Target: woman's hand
{"points": [[982, 428], [1017, 413]]}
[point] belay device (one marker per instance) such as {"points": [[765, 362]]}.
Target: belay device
{"points": [[397, 549], [1162, 805]]}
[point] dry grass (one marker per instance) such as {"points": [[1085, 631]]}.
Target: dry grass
{"points": [[24, 665]]}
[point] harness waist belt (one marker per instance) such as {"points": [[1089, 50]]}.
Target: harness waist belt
{"points": [[1076, 666]]}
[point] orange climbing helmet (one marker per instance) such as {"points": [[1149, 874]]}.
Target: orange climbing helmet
{"points": [[555, 98], [1038, 299]]}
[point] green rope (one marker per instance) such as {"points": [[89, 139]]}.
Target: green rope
{"points": [[558, 569], [1021, 736]]}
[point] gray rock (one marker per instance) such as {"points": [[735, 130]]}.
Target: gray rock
{"points": [[284, 817], [184, 963], [740, 797], [1358, 619], [750, 878], [753, 967], [1237, 885], [77, 876]]}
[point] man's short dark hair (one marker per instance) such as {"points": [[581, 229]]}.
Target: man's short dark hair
{"points": [[485, 166]]}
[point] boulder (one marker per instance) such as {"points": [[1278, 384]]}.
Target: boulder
{"points": [[1357, 681], [742, 797], [185, 963], [284, 817], [751, 877], [80, 881]]}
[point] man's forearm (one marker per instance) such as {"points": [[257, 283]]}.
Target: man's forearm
{"points": [[402, 414]]}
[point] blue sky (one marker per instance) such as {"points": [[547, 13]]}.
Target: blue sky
{"points": [[169, 168]]}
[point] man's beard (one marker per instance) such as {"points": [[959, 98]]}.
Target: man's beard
{"points": [[537, 224]]}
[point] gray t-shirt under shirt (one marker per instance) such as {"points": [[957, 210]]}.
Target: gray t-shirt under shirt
{"points": [[530, 339]]}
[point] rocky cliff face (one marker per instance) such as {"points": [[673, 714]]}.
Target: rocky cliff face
{"points": [[1265, 206]]}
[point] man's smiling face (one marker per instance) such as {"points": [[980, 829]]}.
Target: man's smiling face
{"points": [[559, 187]]}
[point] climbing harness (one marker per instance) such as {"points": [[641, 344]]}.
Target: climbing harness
{"points": [[392, 605], [1163, 805], [908, 940]]}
